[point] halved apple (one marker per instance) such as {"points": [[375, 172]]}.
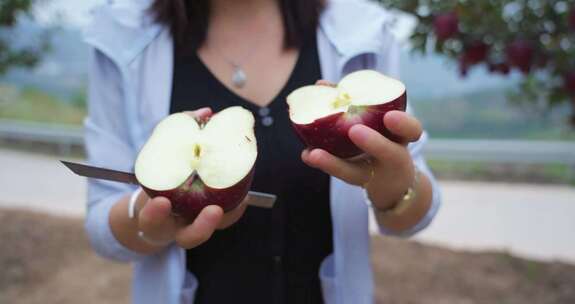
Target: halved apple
{"points": [[322, 115], [198, 163]]}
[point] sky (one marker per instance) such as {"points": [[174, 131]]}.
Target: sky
{"points": [[73, 12]]}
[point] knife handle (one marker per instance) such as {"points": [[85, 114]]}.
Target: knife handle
{"points": [[261, 200]]}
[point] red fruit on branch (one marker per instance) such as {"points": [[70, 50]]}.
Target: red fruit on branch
{"points": [[569, 82], [501, 68], [520, 54], [541, 60], [531, 38], [475, 52], [463, 66], [572, 18], [446, 25]]}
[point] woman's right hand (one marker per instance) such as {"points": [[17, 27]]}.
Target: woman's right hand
{"points": [[159, 226]]}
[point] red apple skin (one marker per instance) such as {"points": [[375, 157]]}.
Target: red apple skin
{"points": [[330, 133], [190, 198]]}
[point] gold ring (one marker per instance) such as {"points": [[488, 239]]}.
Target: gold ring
{"points": [[372, 171], [143, 237]]}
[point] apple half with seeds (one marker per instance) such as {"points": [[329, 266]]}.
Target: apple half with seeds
{"points": [[322, 115], [199, 163]]}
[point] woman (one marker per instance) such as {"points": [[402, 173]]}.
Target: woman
{"points": [[153, 58]]}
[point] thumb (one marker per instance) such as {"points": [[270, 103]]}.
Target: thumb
{"points": [[155, 219]]}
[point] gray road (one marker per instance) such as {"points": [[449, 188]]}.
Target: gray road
{"points": [[41, 183], [535, 221]]}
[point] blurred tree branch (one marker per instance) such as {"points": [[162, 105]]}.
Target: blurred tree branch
{"points": [[10, 54], [534, 37]]}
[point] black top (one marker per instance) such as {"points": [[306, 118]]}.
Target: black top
{"points": [[268, 256]]}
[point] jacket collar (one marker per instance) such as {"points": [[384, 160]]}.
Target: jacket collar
{"points": [[354, 27], [121, 29], [124, 28]]}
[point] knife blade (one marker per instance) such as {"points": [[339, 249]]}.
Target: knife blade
{"points": [[101, 173], [254, 198]]}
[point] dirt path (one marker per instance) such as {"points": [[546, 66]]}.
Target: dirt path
{"points": [[46, 259], [412, 273]]}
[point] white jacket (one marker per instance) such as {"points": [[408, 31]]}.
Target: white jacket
{"points": [[130, 87]]}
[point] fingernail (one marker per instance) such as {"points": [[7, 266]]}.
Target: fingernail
{"points": [[312, 157], [213, 211]]}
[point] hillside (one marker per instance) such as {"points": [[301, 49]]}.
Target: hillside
{"points": [[449, 106], [488, 114]]}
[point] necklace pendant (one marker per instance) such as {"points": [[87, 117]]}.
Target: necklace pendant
{"points": [[239, 77]]}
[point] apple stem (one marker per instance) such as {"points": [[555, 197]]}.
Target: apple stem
{"points": [[188, 183]]}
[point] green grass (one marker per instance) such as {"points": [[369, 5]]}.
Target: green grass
{"points": [[469, 168], [482, 171], [34, 105], [489, 115]]}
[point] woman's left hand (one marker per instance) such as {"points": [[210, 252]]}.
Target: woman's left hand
{"points": [[386, 170]]}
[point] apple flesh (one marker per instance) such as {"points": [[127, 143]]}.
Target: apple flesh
{"points": [[322, 115], [199, 163]]}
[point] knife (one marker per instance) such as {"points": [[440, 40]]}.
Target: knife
{"points": [[256, 199]]}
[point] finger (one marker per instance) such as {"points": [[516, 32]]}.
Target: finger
{"points": [[232, 216], [372, 143], [407, 127], [352, 173], [201, 228], [201, 113], [155, 218], [323, 82]]}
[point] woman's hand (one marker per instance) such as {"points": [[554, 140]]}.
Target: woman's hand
{"points": [[159, 227], [386, 170]]}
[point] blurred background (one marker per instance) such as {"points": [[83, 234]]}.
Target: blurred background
{"points": [[492, 81]]}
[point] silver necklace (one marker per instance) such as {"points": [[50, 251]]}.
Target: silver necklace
{"points": [[239, 77]]}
